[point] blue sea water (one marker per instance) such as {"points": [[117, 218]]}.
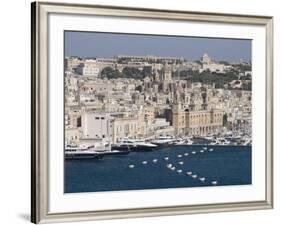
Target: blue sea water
{"points": [[228, 165]]}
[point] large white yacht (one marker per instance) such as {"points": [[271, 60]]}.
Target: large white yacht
{"points": [[134, 145], [96, 150], [82, 154], [163, 140]]}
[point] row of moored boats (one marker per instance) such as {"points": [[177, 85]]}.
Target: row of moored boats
{"points": [[127, 145]]}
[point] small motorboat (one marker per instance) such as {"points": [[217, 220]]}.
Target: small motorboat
{"points": [[214, 182], [144, 162], [202, 179], [179, 171]]}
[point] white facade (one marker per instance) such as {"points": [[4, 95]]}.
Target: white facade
{"points": [[89, 68], [206, 59], [96, 125], [214, 67], [209, 64]]}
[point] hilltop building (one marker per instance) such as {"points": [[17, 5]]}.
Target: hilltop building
{"points": [[209, 64]]}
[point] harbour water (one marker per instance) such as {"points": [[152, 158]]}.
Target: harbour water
{"points": [[223, 165]]}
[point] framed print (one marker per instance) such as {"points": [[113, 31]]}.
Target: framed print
{"points": [[146, 112]]}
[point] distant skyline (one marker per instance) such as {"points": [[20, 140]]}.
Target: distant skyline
{"points": [[108, 45]]}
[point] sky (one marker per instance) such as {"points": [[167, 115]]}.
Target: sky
{"points": [[108, 45]]}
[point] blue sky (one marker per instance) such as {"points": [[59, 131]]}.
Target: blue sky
{"points": [[96, 44]]}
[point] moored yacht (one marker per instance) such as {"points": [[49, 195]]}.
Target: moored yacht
{"points": [[220, 141], [247, 142], [82, 154], [96, 150], [209, 137], [182, 142], [134, 145], [163, 140], [74, 147]]}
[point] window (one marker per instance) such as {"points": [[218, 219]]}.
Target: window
{"points": [[79, 122]]}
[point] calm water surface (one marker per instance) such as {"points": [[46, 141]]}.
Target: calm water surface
{"points": [[228, 165]]}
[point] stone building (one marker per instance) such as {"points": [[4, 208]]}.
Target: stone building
{"points": [[199, 122], [124, 126], [212, 66], [70, 63]]}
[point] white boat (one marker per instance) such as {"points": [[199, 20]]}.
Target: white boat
{"points": [[82, 154], [220, 141], [96, 150], [202, 179], [223, 141], [131, 166], [209, 137], [114, 152], [214, 182], [73, 147], [179, 171], [163, 140], [134, 145], [189, 173], [247, 142], [183, 142]]}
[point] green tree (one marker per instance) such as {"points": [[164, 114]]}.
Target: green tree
{"points": [[132, 72], [224, 62], [147, 71], [110, 73]]}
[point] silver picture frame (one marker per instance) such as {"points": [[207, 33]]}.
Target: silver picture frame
{"points": [[40, 104]]}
